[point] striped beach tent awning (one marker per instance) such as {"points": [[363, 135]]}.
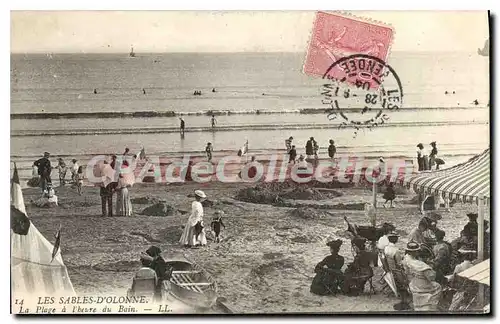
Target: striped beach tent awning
{"points": [[465, 182]]}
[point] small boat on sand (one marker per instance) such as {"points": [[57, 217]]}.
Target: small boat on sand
{"points": [[191, 284]]}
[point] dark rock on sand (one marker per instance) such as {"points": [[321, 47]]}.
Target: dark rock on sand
{"points": [[145, 200], [159, 209], [276, 193]]}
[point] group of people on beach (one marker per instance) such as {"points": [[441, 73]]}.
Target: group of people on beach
{"points": [[428, 160], [423, 272], [120, 185], [311, 150], [41, 177]]}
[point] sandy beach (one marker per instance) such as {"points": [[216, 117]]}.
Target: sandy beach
{"points": [[265, 261]]}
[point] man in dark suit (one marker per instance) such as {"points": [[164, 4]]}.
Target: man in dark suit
{"points": [[44, 170]]}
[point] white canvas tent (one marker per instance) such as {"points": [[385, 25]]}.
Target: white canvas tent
{"points": [[33, 270]]}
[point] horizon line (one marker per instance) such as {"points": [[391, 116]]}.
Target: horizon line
{"points": [[215, 52]]}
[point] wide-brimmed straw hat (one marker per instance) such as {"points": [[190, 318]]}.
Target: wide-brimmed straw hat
{"points": [[334, 244], [200, 194], [412, 247]]}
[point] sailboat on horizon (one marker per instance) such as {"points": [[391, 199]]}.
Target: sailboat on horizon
{"points": [[486, 49], [131, 54]]}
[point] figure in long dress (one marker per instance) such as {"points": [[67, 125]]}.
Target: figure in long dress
{"points": [[190, 237]]}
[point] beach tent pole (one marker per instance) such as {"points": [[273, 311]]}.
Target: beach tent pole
{"points": [[374, 217], [480, 243]]}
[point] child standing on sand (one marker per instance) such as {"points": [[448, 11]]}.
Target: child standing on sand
{"points": [[79, 182], [61, 167], [216, 224], [74, 170], [209, 149], [389, 194]]}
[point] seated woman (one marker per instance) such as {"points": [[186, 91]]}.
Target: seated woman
{"points": [[442, 257], [49, 198], [359, 271], [328, 279], [158, 264], [426, 292]]}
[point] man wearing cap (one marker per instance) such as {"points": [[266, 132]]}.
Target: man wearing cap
{"points": [[189, 237], [359, 271], [44, 170], [329, 276]]}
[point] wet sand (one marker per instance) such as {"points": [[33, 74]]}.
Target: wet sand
{"points": [[265, 262]]}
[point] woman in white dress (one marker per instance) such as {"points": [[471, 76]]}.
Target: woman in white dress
{"points": [[125, 182], [189, 237]]}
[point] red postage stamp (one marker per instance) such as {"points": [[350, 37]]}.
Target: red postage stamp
{"points": [[335, 36]]}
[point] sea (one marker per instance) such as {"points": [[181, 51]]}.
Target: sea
{"points": [[262, 98]]}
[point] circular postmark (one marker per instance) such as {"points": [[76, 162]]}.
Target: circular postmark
{"points": [[361, 92]]}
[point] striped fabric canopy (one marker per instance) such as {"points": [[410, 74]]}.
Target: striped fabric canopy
{"points": [[465, 182]]}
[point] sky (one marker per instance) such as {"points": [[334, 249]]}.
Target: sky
{"points": [[215, 31]]}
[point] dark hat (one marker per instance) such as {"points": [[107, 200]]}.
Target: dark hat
{"points": [[335, 244], [74, 160], [433, 143], [472, 216], [392, 234], [412, 247], [440, 234], [358, 241], [433, 216], [425, 221], [420, 145], [153, 251]]}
